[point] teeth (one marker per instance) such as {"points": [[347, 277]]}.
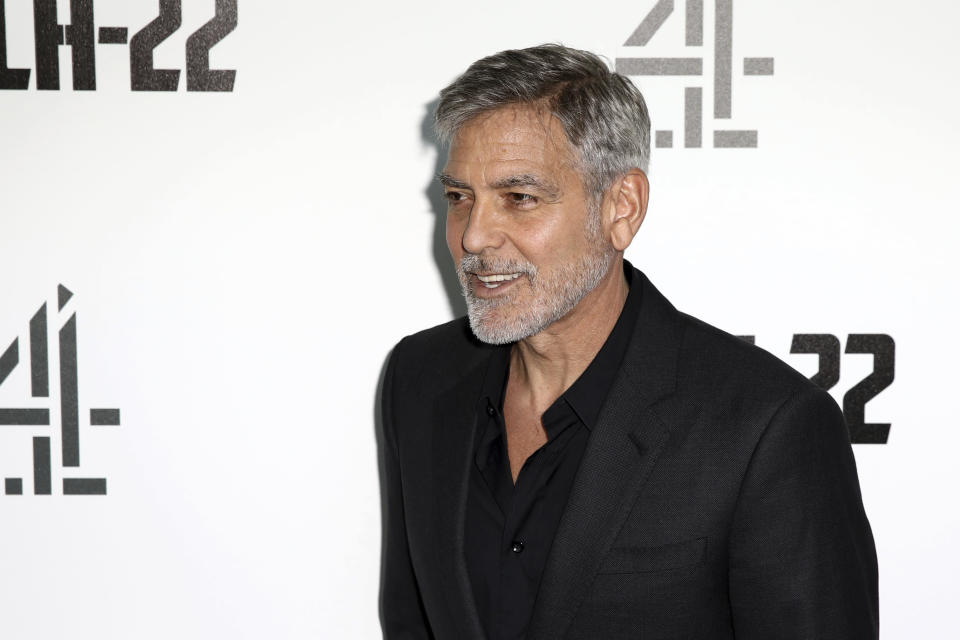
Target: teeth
{"points": [[499, 277]]}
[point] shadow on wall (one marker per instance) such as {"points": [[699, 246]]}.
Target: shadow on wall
{"points": [[451, 286], [438, 205]]}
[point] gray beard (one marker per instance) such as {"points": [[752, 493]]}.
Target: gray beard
{"points": [[555, 294]]}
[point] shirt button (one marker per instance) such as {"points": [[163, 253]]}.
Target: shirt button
{"points": [[516, 546], [490, 410]]}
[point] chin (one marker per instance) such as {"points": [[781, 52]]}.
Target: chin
{"points": [[490, 327]]}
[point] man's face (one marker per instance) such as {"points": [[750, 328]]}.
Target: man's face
{"points": [[520, 227]]}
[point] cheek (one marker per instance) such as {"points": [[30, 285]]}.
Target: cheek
{"points": [[547, 241]]}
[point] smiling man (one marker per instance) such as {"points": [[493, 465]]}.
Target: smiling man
{"points": [[576, 458], [513, 185]]}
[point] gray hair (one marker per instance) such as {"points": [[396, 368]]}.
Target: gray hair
{"points": [[602, 113]]}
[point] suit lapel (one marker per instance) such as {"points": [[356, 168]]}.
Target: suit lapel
{"points": [[622, 451], [452, 455]]}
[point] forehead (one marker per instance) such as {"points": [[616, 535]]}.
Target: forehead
{"points": [[509, 139]]}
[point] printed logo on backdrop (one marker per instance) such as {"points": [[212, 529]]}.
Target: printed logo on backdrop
{"points": [[827, 347], [83, 37], [692, 67], [37, 420]]}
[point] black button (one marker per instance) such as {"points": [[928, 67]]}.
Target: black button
{"points": [[516, 546], [490, 410]]}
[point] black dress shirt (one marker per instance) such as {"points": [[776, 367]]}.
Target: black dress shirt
{"points": [[510, 527]]}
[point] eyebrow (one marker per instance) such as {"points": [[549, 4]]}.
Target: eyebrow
{"points": [[527, 180], [449, 181], [509, 182]]}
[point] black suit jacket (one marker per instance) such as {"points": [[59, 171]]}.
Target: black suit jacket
{"points": [[717, 497]]}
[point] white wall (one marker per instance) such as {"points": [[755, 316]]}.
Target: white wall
{"points": [[242, 262]]}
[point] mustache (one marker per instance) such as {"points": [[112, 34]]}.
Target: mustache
{"points": [[475, 263]]}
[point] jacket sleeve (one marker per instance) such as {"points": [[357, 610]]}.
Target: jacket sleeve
{"points": [[402, 615], [802, 557]]}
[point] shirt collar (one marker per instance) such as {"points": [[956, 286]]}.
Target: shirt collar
{"points": [[587, 394]]}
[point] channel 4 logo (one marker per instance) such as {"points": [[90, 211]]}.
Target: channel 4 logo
{"points": [[34, 419], [692, 67], [82, 37]]}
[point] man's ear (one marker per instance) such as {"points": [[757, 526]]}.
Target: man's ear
{"points": [[628, 206]]}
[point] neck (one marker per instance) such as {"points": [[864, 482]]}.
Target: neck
{"points": [[546, 364]]}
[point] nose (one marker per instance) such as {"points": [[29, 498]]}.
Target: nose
{"points": [[483, 230]]}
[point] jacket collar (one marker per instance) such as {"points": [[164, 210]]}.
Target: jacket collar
{"points": [[620, 455]]}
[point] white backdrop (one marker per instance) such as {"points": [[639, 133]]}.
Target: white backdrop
{"points": [[241, 263]]}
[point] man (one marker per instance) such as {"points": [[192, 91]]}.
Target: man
{"points": [[578, 459]]}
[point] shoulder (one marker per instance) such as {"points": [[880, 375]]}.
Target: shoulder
{"points": [[705, 361], [744, 394], [725, 363], [437, 357]]}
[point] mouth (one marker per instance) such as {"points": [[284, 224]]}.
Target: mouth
{"points": [[484, 284], [494, 280]]}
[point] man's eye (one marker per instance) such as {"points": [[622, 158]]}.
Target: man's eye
{"points": [[522, 198], [453, 197]]}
